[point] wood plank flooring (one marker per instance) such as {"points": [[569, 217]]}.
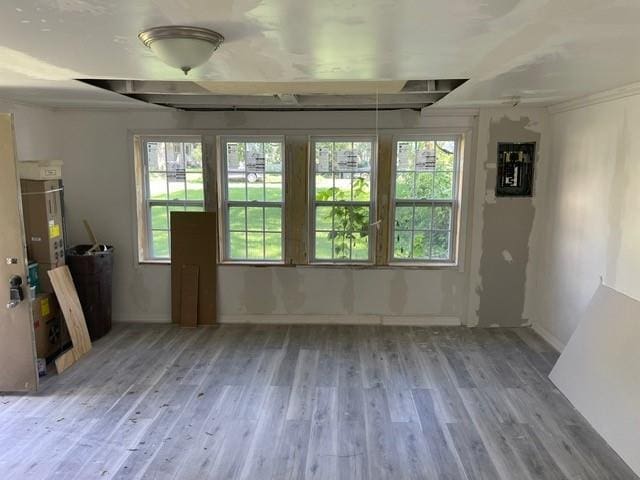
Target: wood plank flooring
{"points": [[304, 402]]}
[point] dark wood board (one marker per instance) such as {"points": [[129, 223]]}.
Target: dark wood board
{"points": [[194, 241], [189, 296]]}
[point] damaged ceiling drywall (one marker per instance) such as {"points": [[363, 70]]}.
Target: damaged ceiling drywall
{"points": [[283, 96], [541, 51]]}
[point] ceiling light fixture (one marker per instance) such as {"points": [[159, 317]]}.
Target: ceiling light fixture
{"points": [[182, 47]]}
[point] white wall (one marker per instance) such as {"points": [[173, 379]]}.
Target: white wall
{"points": [[98, 173], [592, 220], [35, 131]]}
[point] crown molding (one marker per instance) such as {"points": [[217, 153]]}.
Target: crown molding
{"points": [[596, 98]]}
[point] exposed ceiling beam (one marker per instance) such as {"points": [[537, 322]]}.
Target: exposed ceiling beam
{"points": [[426, 86], [187, 95], [288, 98], [300, 100]]}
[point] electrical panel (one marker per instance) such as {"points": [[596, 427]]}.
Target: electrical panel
{"points": [[515, 169]]}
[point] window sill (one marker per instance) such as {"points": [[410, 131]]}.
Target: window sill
{"points": [[388, 266], [154, 262], [425, 265], [339, 265], [226, 263], [354, 266]]}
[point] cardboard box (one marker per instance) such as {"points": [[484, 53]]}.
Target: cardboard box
{"points": [[42, 210], [44, 170], [45, 317], [194, 242], [50, 329]]}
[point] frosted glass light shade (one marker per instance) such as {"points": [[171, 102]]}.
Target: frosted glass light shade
{"points": [[182, 47], [183, 53]]}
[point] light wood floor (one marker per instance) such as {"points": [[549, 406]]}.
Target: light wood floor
{"points": [[317, 402]]}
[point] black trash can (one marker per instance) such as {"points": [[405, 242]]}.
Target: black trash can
{"points": [[92, 275]]}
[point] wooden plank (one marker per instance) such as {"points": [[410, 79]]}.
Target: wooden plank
{"points": [[296, 240], [383, 200], [71, 310], [189, 296], [194, 241], [291, 453], [303, 393], [382, 453], [65, 360], [322, 454], [473, 453], [92, 236], [446, 463]]}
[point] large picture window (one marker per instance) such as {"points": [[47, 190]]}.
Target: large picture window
{"points": [[342, 207], [424, 207], [252, 194], [334, 217], [173, 175]]}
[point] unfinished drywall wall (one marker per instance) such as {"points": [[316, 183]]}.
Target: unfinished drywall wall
{"points": [[36, 137], [97, 150], [99, 182], [597, 373], [592, 221], [502, 258]]}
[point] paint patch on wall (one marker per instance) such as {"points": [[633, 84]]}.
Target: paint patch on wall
{"points": [[398, 293], [507, 226]]}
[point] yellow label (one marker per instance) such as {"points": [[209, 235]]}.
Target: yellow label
{"points": [[44, 307], [54, 231]]}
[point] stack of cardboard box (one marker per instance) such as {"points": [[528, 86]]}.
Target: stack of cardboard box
{"points": [[47, 325], [42, 209], [41, 187]]}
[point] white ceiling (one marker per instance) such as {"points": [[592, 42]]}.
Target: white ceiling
{"points": [[542, 51]]}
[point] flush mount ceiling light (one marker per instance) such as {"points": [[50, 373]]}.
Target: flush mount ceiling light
{"points": [[182, 47]]}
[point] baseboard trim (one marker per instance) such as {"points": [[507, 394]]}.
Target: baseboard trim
{"points": [[293, 319], [549, 337], [420, 321], [141, 319], [405, 320]]}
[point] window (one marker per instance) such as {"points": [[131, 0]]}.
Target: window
{"points": [[342, 201], [425, 179], [252, 198], [173, 181]]}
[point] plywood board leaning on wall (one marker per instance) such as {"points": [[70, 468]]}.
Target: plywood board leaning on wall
{"points": [[71, 309], [194, 242]]}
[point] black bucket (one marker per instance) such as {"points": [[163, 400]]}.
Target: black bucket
{"points": [[92, 275]]}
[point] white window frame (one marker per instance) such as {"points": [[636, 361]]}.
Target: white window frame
{"points": [[455, 203], [224, 203], [372, 204], [145, 245]]}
